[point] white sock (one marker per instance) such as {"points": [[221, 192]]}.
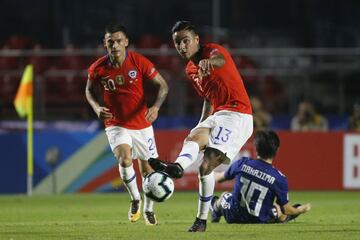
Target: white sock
{"points": [[129, 178], [148, 203], [188, 154], [206, 191]]}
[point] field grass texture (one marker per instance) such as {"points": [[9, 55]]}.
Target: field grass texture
{"points": [[334, 215]]}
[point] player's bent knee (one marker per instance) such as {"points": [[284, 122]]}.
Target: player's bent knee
{"points": [[214, 154], [125, 161]]}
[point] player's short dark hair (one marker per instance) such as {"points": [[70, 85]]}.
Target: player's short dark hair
{"points": [[183, 25], [266, 144], [115, 27]]}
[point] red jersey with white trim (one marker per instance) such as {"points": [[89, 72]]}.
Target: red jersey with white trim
{"points": [[123, 91], [224, 87]]}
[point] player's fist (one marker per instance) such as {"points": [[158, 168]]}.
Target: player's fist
{"points": [[205, 66], [152, 114], [104, 113], [306, 207]]}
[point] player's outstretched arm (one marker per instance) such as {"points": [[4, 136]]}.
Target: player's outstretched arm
{"points": [[217, 60], [290, 210], [208, 64], [152, 113], [220, 177], [101, 112]]}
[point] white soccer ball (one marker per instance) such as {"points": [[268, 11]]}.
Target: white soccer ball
{"points": [[158, 186]]}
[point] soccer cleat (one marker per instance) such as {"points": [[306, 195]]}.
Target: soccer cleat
{"points": [[150, 218], [134, 211], [292, 217], [174, 170], [198, 226], [215, 213]]}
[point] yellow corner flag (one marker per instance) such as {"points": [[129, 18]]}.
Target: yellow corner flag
{"points": [[24, 94], [24, 106]]}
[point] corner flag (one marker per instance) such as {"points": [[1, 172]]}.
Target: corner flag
{"points": [[25, 93], [24, 106]]}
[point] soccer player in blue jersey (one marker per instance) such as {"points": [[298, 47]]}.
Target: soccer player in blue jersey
{"points": [[257, 184]]}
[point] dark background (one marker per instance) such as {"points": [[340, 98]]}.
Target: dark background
{"points": [[303, 23]]}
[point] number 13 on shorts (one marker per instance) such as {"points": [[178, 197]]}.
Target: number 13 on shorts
{"points": [[220, 135]]}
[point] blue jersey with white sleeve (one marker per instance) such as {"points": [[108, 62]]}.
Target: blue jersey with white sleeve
{"points": [[256, 185]]}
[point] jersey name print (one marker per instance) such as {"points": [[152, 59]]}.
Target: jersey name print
{"points": [[257, 184]]}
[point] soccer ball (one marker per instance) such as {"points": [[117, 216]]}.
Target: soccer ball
{"points": [[158, 186]]}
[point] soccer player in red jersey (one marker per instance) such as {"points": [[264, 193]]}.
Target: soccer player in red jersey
{"points": [[120, 75], [226, 122]]}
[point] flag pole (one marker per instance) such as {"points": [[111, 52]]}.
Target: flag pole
{"points": [[24, 106], [30, 154]]}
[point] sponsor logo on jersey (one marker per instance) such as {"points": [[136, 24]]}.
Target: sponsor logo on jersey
{"points": [[132, 73], [120, 79]]}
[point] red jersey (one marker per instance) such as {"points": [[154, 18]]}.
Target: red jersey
{"points": [[123, 88], [224, 87]]}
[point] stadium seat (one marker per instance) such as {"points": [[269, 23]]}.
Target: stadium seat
{"points": [[9, 85], [40, 63], [148, 41], [8, 63], [69, 61], [18, 42]]}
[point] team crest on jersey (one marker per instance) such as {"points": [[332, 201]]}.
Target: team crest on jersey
{"points": [[120, 79], [132, 73]]}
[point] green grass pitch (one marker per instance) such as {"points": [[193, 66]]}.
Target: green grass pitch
{"points": [[334, 215]]}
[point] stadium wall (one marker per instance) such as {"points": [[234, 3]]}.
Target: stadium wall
{"points": [[311, 161]]}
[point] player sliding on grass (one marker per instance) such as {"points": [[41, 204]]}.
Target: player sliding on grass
{"points": [[257, 184], [120, 74], [226, 122]]}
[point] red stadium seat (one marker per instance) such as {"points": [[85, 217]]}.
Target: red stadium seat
{"points": [[40, 63], [69, 61], [65, 95], [75, 88], [9, 85], [148, 41], [18, 42], [54, 89], [272, 93], [248, 71], [8, 63]]}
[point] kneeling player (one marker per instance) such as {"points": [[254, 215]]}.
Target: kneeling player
{"points": [[257, 183]]}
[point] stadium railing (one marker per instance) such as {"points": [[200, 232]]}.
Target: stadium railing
{"points": [[279, 76]]}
